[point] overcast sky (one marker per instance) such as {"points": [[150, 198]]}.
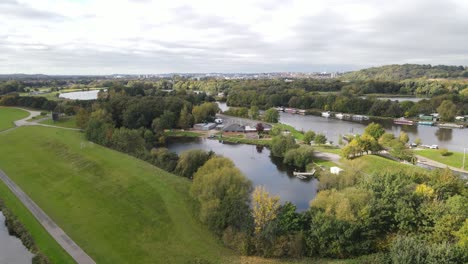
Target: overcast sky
{"points": [[143, 36]]}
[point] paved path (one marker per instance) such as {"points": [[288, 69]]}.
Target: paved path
{"points": [[32, 113], [56, 232], [437, 164], [328, 156]]}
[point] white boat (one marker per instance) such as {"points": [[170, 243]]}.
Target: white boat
{"points": [[339, 116], [326, 114], [303, 175]]}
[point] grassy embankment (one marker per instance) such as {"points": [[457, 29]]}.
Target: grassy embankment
{"points": [[69, 122], [454, 159], [9, 115], [117, 208]]}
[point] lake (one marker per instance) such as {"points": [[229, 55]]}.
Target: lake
{"points": [[84, 95], [257, 165], [12, 251]]}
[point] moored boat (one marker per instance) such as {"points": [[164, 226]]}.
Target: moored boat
{"points": [[403, 121], [326, 114], [425, 123]]}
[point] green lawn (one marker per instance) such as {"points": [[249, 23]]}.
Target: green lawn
{"points": [[117, 208], [69, 122], [375, 164], [44, 241], [455, 159], [327, 148], [8, 115], [294, 132]]}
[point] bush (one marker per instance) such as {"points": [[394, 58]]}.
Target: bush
{"points": [[444, 152]]}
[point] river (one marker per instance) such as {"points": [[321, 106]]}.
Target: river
{"points": [[12, 251], [259, 167], [452, 139]]}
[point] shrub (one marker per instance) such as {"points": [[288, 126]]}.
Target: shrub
{"points": [[444, 152]]}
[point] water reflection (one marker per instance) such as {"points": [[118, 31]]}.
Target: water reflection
{"points": [[256, 164], [12, 251], [444, 134]]}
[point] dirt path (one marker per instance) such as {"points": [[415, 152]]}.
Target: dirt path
{"points": [[55, 231]]}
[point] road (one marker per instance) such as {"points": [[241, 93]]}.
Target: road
{"points": [[433, 163], [52, 228]]}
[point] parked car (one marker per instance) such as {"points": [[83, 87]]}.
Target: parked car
{"points": [[218, 121], [434, 147], [413, 145]]}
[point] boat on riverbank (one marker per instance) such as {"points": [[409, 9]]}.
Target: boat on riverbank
{"points": [[359, 117], [403, 121], [449, 125], [326, 114], [425, 123]]}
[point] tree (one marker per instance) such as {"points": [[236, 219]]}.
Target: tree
{"points": [[164, 159], [82, 118], [375, 130], [127, 141], [299, 157], [185, 119], [280, 144], [309, 136], [264, 208], [224, 195], [271, 115], [190, 161], [259, 128], [100, 127], [403, 137], [320, 139], [253, 112], [205, 112], [447, 110], [165, 121]]}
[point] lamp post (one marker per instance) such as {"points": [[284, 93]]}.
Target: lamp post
{"points": [[464, 157]]}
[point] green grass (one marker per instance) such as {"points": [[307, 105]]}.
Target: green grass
{"points": [[455, 159], [375, 164], [294, 132], [44, 241], [8, 115], [69, 122], [327, 148], [117, 208]]}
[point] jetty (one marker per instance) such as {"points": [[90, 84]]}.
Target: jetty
{"points": [[304, 175]]}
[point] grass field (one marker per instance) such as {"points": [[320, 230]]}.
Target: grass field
{"points": [[294, 132], [69, 122], [43, 240], [455, 159], [375, 164], [8, 115], [117, 208]]}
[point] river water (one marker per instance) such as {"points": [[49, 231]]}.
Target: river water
{"points": [[12, 251], [259, 167], [452, 139]]}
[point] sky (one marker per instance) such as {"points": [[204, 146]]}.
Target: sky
{"points": [[165, 36]]}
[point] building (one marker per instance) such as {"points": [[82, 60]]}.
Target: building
{"points": [[205, 126], [335, 170]]}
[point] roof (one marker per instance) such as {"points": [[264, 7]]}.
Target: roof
{"points": [[234, 127]]}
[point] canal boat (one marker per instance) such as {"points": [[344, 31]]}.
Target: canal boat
{"points": [[290, 110], [304, 175], [339, 116], [450, 125], [326, 114], [425, 123], [359, 117], [403, 121]]}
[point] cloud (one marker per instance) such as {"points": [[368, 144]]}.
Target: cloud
{"points": [[143, 36]]}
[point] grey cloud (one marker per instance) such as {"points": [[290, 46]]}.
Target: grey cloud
{"points": [[14, 8]]}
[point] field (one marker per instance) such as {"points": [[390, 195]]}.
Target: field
{"points": [[69, 122], [8, 115], [43, 240], [117, 208], [376, 164], [454, 159]]}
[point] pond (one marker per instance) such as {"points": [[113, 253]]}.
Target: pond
{"points": [[12, 251], [257, 165], [84, 95]]}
